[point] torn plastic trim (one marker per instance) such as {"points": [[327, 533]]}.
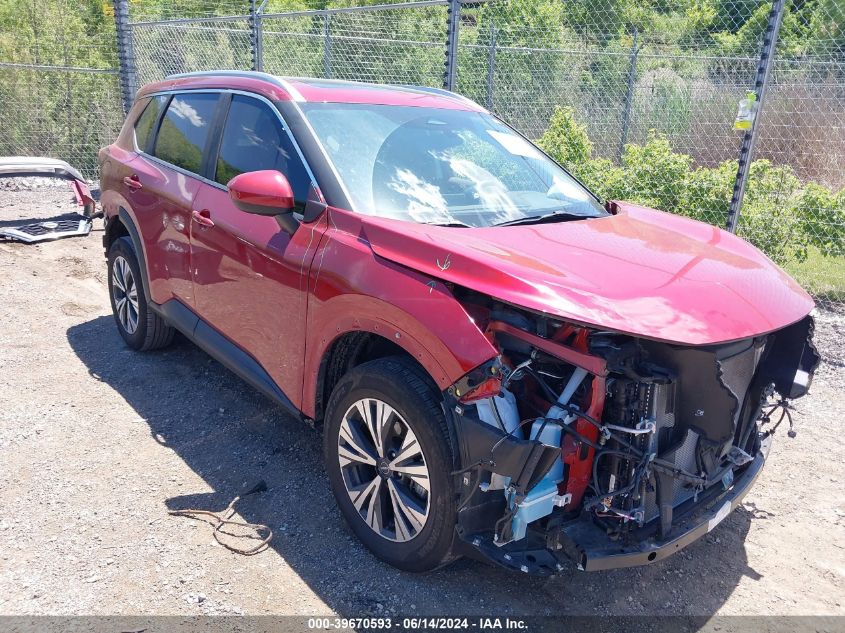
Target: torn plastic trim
{"points": [[486, 448], [793, 362], [484, 381]]}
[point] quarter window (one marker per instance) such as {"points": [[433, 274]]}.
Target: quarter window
{"points": [[253, 139], [184, 130], [144, 124]]}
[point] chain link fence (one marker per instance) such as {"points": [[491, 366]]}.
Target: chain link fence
{"points": [[59, 89], [400, 43], [166, 48], [639, 100], [59, 111], [802, 134]]}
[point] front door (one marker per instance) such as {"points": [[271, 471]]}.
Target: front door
{"points": [[249, 275]]}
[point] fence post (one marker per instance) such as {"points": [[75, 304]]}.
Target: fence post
{"points": [[452, 26], [491, 68], [256, 34], [629, 97], [127, 68], [327, 46], [749, 139]]}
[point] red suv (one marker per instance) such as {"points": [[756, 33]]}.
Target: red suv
{"points": [[503, 366]]}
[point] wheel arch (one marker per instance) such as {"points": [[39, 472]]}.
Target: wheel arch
{"points": [[351, 349], [364, 329], [120, 225]]}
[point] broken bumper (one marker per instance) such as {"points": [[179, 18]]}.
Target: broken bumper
{"points": [[588, 545], [22, 166]]}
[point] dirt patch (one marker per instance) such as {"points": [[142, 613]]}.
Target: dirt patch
{"points": [[98, 443], [76, 267], [72, 308]]}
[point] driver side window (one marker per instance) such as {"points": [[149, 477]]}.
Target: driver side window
{"points": [[254, 139]]}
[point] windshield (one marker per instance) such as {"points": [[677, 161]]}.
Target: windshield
{"points": [[439, 166]]}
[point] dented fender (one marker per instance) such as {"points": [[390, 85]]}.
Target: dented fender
{"points": [[414, 311]]}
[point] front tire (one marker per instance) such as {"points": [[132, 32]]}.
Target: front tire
{"points": [[389, 459], [140, 327]]}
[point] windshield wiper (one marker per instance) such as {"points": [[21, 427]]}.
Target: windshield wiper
{"points": [[536, 219], [455, 224]]}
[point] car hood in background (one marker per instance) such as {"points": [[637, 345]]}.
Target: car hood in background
{"points": [[640, 271]]}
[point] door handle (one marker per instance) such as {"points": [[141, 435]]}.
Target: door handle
{"points": [[132, 182], [203, 218]]}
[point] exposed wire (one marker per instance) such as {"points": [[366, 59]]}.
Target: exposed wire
{"points": [[786, 412], [224, 518], [640, 471], [573, 410]]}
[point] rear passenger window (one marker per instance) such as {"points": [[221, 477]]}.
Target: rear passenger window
{"points": [[184, 130], [144, 124], [253, 139]]}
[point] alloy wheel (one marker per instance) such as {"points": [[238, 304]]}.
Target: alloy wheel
{"points": [[384, 470], [125, 294]]}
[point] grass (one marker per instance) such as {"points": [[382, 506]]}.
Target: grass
{"points": [[823, 277]]}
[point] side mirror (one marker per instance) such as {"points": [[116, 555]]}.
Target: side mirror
{"points": [[265, 192]]}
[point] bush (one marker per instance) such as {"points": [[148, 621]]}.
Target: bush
{"points": [[822, 217], [768, 218], [565, 140], [780, 215], [706, 194], [654, 174], [603, 178]]}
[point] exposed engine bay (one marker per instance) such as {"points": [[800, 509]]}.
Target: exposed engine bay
{"points": [[608, 449]]}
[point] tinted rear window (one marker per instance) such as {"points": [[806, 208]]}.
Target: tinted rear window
{"points": [[184, 130], [144, 124]]}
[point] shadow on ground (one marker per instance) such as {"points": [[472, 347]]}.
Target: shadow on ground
{"points": [[232, 437]]}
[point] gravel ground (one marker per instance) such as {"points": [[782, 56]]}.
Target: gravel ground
{"points": [[98, 442]]}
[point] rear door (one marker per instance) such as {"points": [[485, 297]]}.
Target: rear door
{"points": [[249, 275], [162, 186]]}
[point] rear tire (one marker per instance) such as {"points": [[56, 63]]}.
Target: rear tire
{"points": [[398, 497], [140, 327]]}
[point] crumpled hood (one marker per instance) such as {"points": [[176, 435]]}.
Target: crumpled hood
{"points": [[641, 272]]}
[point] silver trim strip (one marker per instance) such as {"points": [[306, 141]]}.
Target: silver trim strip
{"points": [[280, 82]]}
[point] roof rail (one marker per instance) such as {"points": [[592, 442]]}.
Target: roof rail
{"points": [[297, 96], [225, 73], [254, 74]]}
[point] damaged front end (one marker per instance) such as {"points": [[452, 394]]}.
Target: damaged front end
{"points": [[608, 449]]}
